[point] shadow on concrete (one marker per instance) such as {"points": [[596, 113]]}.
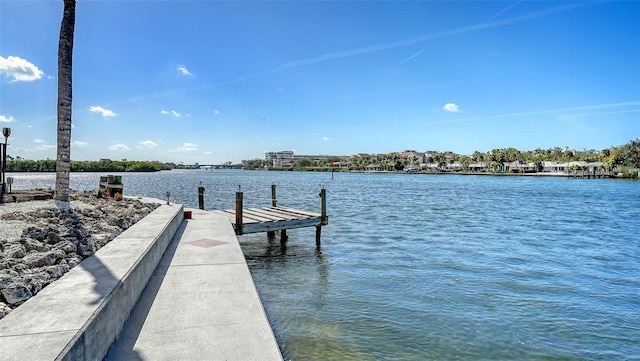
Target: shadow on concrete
{"points": [[123, 348]]}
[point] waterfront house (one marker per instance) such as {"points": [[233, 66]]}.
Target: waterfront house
{"points": [[555, 167], [519, 166]]}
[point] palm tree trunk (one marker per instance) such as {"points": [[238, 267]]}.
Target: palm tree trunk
{"points": [[65, 58]]}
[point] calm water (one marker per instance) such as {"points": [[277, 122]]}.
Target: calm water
{"points": [[417, 267]]}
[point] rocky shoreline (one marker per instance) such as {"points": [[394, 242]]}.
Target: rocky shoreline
{"points": [[40, 242]]}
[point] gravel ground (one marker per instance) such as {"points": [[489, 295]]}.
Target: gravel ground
{"points": [[39, 241]]}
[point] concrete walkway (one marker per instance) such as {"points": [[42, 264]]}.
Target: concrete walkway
{"points": [[201, 302]]}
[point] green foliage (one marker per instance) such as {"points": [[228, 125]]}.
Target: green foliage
{"points": [[47, 165], [630, 175], [24, 165], [305, 162]]}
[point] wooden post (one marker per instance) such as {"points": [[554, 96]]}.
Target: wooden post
{"points": [[283, 237], [239, 213], [201, 196], [318, 235], [274, 201], [324, 220]]}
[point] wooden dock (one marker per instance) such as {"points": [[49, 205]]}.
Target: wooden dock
{"points": [[271, 219], [585, 174], [275, 218]]}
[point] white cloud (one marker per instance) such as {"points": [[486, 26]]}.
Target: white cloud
{"points": [[19, 69], [188, 147], [216, 112], [187, 115], [172, 112], [118, 147], [45, 147], [183, 70], [451, 107], [105, 112], [208, 152], [148, 143], [325, 138], [5, 119], [80, 144], [38, 140]]}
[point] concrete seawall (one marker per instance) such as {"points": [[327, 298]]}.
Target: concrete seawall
{"points": [[201, 302], [80, 315]]}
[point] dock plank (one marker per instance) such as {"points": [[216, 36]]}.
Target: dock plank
{"points": [[297, 211], [268, 219], [266, 216]]}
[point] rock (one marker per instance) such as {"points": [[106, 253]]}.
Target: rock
{"points": [[66, 246], [15, 251], [31, 244], [38, 281], [4, 309], [40, 259], [73, 261], [49, 213], [34, 232], [101, 239], [20, 269], [85, 250], [6, 280], [15, 216], [16, 293], [57, 271], [53, 236], [58, 240]]}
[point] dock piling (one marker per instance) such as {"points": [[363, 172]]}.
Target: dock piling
{"points": [[239, 212], [201, 196], [318, 235], [274, 202], [323, 207]]}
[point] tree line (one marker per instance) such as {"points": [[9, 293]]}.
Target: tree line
{"points": [[49, 165], [627, 155]]}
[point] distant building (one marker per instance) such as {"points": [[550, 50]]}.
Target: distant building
{"points": [[282, 158]]}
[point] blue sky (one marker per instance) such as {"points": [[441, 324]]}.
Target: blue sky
{"points": [[216, 81]]}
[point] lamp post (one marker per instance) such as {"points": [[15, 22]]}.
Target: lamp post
{"points": [[3, 165]]}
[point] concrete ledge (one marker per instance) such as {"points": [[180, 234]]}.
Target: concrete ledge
{"points": [[201, 303], [80, 315]]}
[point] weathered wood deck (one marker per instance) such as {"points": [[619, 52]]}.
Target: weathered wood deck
{"points": [[274, 218], [271, 219]]}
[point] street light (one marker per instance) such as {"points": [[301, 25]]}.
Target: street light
{"points": [[3, 166]]}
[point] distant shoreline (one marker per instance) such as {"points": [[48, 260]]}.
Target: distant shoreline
{"points": [[539, 174], [506, 174]]}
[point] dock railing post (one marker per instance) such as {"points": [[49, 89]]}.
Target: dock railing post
{"points": [[239, 212], [323, 207], [274, 201], [201, 196]]}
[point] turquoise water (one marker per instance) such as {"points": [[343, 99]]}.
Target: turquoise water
{"points": [[416, 267]]}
